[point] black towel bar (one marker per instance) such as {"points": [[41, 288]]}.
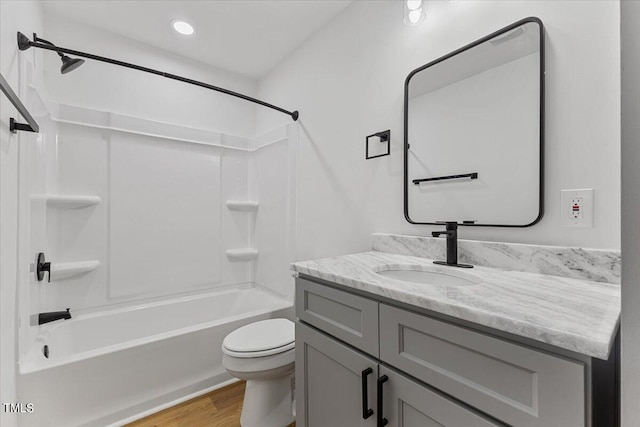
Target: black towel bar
{"points": [[473, 175]]}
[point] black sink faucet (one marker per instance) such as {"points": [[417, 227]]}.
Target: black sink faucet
{"points": [[53, 315], [452, 245]]}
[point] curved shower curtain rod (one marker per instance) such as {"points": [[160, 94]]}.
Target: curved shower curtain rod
{"points": [[24, 43]]}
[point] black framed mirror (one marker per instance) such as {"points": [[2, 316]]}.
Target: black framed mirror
{"points": [[474, 132]]}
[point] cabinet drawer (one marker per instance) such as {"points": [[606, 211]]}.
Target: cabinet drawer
{"points": [[517, 385], [351, 318]]}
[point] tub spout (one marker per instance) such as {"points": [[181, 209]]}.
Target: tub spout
{"points": [[53, 315]]}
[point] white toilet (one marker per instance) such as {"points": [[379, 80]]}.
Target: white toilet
{"points": [[263, 354]]}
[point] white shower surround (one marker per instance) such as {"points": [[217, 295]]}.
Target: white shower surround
{"points": [[149, 347]]}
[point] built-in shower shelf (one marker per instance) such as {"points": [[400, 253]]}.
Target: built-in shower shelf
{"points": [[66, 270], [69, 201], [242, 206], [246, 254]]}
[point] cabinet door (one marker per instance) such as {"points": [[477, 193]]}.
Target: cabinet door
{"points": [[329, 385], [407, 403]]}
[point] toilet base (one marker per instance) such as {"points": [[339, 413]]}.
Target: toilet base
{"points": [[268, 403]]}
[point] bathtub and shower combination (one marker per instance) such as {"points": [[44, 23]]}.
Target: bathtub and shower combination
{"points": [[126, 195], [115, 366], [119, 359]]}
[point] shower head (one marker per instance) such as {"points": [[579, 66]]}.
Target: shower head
{"points": [[70, 64]]}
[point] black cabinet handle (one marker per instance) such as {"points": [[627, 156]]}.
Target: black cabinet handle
{"points": [[381, 420], [366, 411]]}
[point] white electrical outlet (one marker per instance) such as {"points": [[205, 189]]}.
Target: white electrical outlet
{"points": [[576, 208]]}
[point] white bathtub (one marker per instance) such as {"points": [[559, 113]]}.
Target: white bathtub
{"points": [[115, 365]]}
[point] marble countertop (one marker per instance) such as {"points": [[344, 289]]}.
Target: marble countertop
{"points": [[573, 314]]}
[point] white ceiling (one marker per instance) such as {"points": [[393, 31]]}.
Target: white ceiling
{"points": [[248, 37]]}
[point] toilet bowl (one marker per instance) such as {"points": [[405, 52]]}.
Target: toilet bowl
{"points": [[263, 354]]}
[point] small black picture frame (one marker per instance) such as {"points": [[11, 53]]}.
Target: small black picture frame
{"points": [[384, 137]]}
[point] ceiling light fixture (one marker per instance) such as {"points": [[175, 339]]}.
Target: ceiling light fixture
{"points": [[413, 12], [183, 27]]}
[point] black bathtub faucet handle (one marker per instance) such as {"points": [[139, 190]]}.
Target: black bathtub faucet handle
{"points": [[42, 266]]}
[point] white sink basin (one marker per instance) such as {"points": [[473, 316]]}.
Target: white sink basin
{"points": [[425, 275]]}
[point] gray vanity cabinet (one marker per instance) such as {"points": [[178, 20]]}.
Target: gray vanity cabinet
{"points": [[423, 371]]}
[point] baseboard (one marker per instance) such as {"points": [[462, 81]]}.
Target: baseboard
{"points": [[163, 402]]}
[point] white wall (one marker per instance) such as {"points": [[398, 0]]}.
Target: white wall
{"points": [[111, 88], [630, 14], [347, 81], [14, 16]]}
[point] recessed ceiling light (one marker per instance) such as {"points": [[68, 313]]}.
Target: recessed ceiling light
{"points": [[413, 12], [183, 27], [414, 4]]}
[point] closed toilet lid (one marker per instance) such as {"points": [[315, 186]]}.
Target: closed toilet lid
{"points": [[262, 338]]}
